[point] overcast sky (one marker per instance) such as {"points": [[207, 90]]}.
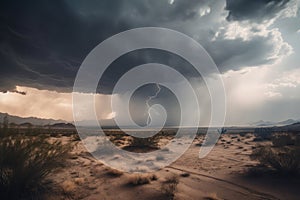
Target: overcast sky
{"points": [[254, 43]]}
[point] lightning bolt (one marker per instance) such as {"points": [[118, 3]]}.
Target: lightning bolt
{"points": [[148, 101]]}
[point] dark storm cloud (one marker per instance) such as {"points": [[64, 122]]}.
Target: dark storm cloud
{"points": [[254, 10], [135, 58], [43, 42], [33, 44], [238, 53]]}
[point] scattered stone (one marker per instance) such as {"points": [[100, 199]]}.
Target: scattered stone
{"points": [[79, 181], [185, 174]]}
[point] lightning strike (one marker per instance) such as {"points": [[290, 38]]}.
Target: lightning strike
{"points": [[148, 101]]}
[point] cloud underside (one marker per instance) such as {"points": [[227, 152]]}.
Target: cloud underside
{"points": [[42, 43]]}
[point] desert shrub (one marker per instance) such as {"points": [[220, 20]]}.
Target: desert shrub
{"points": [[263, 133], [297, 140], [145, 142], [284, 159], [75, 137], [117, 138], [153, 177], [25, 163], [243, 134], [4, 127], [282, 140], [140, 179], [169, 186]]}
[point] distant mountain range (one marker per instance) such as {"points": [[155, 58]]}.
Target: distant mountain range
{"points": [[25, 121], [111, 123], [289, 128], [31, 120], [269, 123]]}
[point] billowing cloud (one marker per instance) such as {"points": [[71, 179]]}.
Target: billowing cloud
{"points": [[258, 10], [238, 45], [43, 43]]}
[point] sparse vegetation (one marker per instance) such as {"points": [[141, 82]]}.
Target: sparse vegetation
{"points": [[26, 161], [75, 137], [282, 156], [263, 134], [284, 160], [169, 186], [282, 140], [68, 187], [145, 142], [140, 179], [4, 128]]}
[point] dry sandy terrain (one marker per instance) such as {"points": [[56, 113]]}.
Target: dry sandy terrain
{"points": [[220, 175]]}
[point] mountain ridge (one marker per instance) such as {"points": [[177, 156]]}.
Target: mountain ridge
{"points": [[272, 123], [32, 120]]}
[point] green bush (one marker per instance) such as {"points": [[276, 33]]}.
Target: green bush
{"points": [[25, 162]]}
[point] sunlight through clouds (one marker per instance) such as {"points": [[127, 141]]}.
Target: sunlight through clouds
{"points": [[48, 104]]}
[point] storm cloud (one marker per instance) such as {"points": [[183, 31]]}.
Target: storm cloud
{"points": [[255, 10], [42, 43]]}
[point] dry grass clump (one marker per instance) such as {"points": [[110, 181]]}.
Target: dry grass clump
{"points": [[75, 137], [68, 186], [145, 142], [283, 155], [262, 134], [285, 159], [26, 161], [141, 179], [282, 140], [169, 186]]}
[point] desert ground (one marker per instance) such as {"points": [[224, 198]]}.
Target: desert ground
{"points": [[226, 173]]}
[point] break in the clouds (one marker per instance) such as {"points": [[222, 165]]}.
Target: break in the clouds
{"points": [[49, 104], [42, 43]]}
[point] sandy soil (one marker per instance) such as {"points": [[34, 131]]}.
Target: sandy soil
{"points": [[220, 175]]}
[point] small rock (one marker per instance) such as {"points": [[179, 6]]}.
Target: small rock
{"points": [[185, 174], [79, 181]]}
